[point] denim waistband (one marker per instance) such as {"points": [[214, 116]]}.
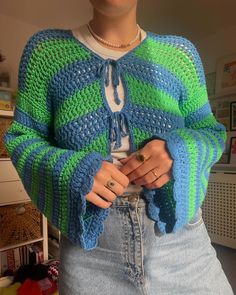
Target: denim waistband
{"points": [[127, 199]]}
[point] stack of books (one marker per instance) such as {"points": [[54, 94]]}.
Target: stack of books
{"points": [[12, 259]]}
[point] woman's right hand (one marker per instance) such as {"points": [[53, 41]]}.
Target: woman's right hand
{"points": [[108, 171]]}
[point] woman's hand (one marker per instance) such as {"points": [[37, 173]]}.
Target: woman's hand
{"points": [[159, 159], [108, 171]]}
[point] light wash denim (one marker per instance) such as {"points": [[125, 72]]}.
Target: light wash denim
{"points": [[132, 257]]}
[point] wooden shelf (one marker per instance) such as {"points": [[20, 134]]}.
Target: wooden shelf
{"points": [[7, 89], [21, 244], [9, 114]]}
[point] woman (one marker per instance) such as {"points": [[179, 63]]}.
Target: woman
{"points": [[130, 225]]}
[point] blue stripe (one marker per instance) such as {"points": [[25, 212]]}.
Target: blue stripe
{"points": [[154, 120], [19, 149], [29, 122], [199, 142], [82, 131], [82, 74]]}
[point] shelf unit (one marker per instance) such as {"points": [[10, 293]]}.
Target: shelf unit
{"points": [[13, 192]]}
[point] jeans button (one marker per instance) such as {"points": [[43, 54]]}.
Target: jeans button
{"points": [[133, 198]]}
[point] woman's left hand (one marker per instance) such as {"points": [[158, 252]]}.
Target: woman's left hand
{"points": [[158, 158]]}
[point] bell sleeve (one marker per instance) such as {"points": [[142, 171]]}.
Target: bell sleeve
{"points": [[194, 148], [56, 179]]}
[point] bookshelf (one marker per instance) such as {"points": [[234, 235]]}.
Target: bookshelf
{"points": [[14, 196]]}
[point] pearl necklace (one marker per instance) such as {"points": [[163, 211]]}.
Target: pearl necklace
{"points": [[112, 44]]}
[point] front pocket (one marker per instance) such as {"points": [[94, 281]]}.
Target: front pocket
{"points": [[196, 221]]}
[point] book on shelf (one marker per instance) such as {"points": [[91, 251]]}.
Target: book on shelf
{"points": [[12, 259]]}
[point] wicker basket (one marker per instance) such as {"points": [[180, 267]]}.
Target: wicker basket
{"points": [[19, 223], [5, 123]]}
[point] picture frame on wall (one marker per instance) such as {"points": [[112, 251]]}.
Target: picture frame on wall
{"points": [[232, 151], [224, 159], [233, 116], [226, 75]]}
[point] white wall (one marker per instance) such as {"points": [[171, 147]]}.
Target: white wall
{"points": [[221, 44], [13, 37]]}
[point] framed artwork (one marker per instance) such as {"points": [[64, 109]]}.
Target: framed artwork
{"points": [[222, 107], [233, 115], [232, 151], [224, 159], [226, 75]]}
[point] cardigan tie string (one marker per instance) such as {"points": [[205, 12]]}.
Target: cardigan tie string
{"points": [[117, 127], [103, 71]]}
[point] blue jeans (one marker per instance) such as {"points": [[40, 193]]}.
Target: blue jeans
{"points": [[132, 257]]}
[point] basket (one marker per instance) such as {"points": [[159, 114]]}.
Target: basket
{"points": [[5, 123], [19, 223]]}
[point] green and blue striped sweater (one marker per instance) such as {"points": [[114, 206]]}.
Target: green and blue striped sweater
{"points": [[63, 126]]}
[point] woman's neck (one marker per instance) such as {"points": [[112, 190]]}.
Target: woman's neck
{"points": [[119, 30]]}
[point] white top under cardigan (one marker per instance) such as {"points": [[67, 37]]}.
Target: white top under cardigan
{"points": [[83, 34]]}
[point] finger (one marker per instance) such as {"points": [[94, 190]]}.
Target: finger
{"points": [[146, 179], [126, 159], [117, 189], [131, 165], [147, 176], [105, 192], [142, 170], [110, 171], [119, 176], [158, 183], [98, 201]]}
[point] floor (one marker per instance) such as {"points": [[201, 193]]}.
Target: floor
{"points": [[227, 257]]}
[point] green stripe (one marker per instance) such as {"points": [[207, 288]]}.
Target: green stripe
{"points": [[197, 99], [208, 121], [139, 135], [51, 162], [177, 61], [35, 173], [205, 146]]}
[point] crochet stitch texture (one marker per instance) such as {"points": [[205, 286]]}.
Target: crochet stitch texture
{"points": [[63, 127]]}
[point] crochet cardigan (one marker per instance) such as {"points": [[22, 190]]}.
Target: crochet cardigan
{"points": [[63, 127]]}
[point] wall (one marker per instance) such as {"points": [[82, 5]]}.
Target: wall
{"points": [[13, 37], [221, 44]]}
